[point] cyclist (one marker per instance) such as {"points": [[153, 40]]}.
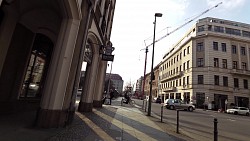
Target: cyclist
{"points": [[127, 97]]}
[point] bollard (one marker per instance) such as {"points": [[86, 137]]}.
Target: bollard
{"points": [[146, 106], [177, 127], [142, 104], [215, 130], [161, 112]]}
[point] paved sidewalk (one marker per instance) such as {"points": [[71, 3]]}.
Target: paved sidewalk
{"points": [[110, 123]]}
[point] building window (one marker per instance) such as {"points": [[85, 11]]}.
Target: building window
{"points": [[178, 96], [184, 53], [246, 34], [216, 80], [177, 69], [180, 67], [244, 65], [176, 82], [188, 49], [233, 31], [215, 45], [234, 49], [174, 59], [201, 28], [180, 55], [188, 64], [243, 50], [236, 82], [200, 62], [183, 81], [200, 79], [200, 47], [245, 84], [225, 81], [219, 29], [180, 82], [224, 63], [224, 47], [235, 65], [209, 28], [216, 62], [187, 80], [177, 58], [184, 66]]}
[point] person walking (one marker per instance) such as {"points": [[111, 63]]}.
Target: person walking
{"points": [[111, 95]]}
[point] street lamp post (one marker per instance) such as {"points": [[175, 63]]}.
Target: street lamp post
{"points": [[152, 67]]}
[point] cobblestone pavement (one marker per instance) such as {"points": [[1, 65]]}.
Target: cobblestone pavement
{"points": [[110, 123]]}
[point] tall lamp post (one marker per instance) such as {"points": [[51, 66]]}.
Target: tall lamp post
{"points": [[152, 67]]}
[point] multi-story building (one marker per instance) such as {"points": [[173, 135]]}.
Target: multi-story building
{"points": [[42, 46], [209, 65], [155, 84], [138, 86], [116, 81]]}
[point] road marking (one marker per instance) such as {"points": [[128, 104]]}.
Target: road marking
{"points": [[231, 119]]}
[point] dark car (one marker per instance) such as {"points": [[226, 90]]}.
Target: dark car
{"points": [[158, 100]]}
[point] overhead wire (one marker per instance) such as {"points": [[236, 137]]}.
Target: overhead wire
{"points": [[183, 25]]}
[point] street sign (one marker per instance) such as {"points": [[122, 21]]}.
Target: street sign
{"points": [[106, 57], [109, 50]]}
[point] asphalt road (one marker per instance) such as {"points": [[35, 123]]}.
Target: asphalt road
{"points": [[199, 124]]}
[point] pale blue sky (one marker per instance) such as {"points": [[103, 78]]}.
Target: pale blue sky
{"points": [[133, 23]]}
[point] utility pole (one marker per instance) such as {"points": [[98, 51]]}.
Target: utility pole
{"points": [[144, 76]]}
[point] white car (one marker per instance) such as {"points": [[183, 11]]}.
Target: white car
{"points": [[178, 104], [238, 110]]}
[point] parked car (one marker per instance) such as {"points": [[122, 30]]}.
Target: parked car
{"points": [[178, 104], [238, 110], [158, 100]]}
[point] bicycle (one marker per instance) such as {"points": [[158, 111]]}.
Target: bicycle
{"points": [[131, 102]]}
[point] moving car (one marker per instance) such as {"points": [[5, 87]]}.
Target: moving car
{"points": [[157, 100], [178, 104], [238, 110]]}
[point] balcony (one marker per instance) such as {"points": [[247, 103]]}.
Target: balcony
{"points": [[240, 72], [165, 78], [171, 89]]}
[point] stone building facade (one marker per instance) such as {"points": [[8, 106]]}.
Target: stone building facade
{"points": [[42, 46], [209, 65]]}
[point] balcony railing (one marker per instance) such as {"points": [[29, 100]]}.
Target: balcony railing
{"points": [[173, 76], [170, 89], [240, 72]]}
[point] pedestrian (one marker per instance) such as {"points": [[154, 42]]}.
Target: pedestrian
{"points": [[111, 95], [104, 97]]}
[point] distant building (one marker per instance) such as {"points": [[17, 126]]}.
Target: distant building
{"points": [[209, 65], [117, 81], [139, 87], [155, 83]]}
